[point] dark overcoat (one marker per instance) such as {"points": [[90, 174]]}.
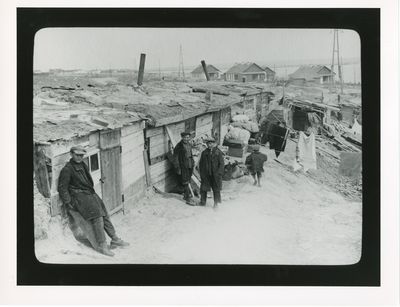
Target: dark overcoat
{"points": [[211, 167], [183, 165], [75, 187], [255, 162]]}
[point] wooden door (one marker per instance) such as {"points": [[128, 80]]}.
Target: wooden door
{"points": [[110, 156], [216, 126]]}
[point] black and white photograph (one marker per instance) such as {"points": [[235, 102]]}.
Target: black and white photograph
{"points": [[197, 146], [181, 153]]}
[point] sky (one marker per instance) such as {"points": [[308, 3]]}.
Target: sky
{"points": [[105, 48]]}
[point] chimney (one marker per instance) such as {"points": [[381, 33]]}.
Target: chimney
{"points": [[141, 68], [203, 63]]}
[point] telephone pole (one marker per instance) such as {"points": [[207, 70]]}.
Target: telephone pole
{"points": [[181, 69], [335, 49]]}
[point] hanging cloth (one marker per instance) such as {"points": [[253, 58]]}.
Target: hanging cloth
{"points": [[277, 139], [306, 151]]}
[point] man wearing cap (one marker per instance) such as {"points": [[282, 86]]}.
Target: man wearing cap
{"points": [[255, 164], [211, 168], [184, 163], [75, 187]]}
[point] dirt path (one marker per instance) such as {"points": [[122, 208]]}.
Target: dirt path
{"points": [[290, 220]]}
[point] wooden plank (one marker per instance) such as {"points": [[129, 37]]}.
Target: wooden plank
{"points": [[94, 138], [165, 176], [160, 168], [111, 176], [171, 136], [203, 120], [158, 150], [135, 127], [171, 119], [147, 168], [134, 187], [137, 164], [158, 159], [150, 132], [62, 147], [132, 139], [159, 139], [132, 175], [132, 154], [110, 138]]}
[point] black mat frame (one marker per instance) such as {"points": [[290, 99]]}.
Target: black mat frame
{"points": [[365, 273]]}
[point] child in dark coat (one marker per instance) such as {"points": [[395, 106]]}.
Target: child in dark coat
{"points": [[255, 164]]}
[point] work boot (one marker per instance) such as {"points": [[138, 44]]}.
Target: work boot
{"points": [[117, 242], [190, 202], [103, 249]]}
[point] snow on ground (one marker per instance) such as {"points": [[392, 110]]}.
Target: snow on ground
{"points": [[291, 219]]}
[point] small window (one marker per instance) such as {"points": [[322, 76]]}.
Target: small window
{"points": [[94, 162]]}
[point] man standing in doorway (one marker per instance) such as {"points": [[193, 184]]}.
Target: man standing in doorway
{"points": [[211, 167], [185, 163], [75, 187]]}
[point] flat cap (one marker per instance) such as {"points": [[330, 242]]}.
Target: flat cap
{"points": [[256, 147], [79, 150], [184, 134], [209, 140]]}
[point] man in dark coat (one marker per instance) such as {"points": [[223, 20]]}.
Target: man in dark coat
{"points": [[211, 167], [255, 164], [184, 163], [75, 187]]}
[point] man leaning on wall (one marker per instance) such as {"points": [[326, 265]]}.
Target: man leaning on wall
{"points": [[75, 187]]}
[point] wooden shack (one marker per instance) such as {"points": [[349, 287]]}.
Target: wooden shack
{"points": [[114, 158], [163, 132]]}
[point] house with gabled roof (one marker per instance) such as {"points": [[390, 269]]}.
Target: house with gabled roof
{"points": [[213, 72], [312, 73], [246, 72], [270, 74]]}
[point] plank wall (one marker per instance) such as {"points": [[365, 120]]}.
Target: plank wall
{"points": [[133, 173], [204, 125], [161, 172]]}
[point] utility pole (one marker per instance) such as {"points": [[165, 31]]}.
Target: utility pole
{"points": [[181, 69], [335, 49]]}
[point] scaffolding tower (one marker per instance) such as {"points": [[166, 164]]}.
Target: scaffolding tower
{"points": [[335, 49]]}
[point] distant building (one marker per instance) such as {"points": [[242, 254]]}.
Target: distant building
{"points": [[312, 73], [213, 72], [270, 74], [246, 72]]}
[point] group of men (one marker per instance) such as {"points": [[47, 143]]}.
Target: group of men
{"points": [[211, 168]]}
